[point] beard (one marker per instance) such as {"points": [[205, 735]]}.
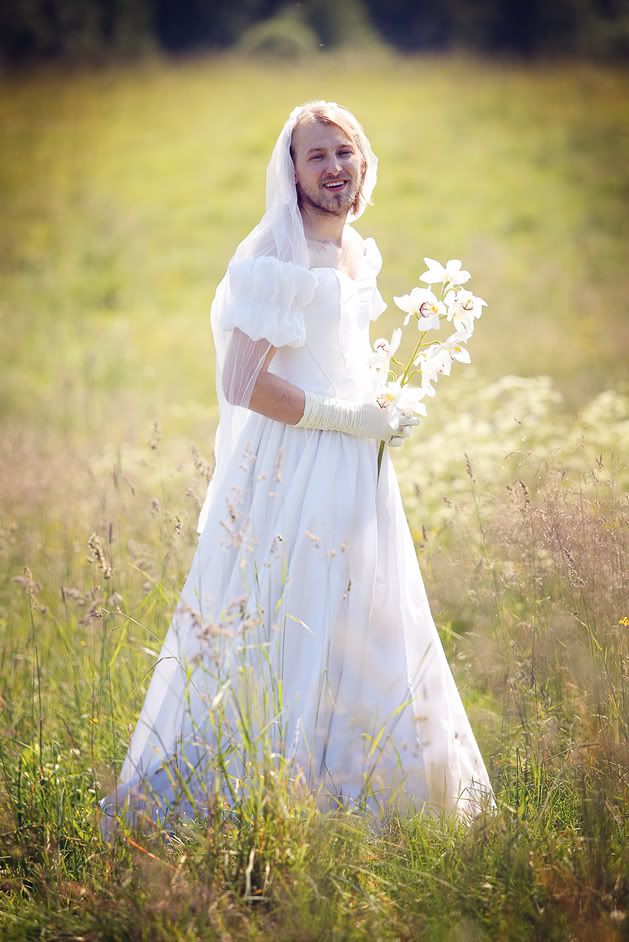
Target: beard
{"points": [[327, 202]]}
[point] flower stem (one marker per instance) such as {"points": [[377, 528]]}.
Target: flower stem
{"points": [[410, 362], [380, 454]]}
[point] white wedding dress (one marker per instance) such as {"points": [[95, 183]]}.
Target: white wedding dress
{"points": [[304, 606]]}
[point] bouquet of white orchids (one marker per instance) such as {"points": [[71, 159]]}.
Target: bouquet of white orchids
{"points": [[430, 358]]}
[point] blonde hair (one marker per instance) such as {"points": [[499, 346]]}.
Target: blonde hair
{"points": [[328, 113]]}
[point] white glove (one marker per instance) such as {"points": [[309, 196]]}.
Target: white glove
{"points": [[363, 419]]}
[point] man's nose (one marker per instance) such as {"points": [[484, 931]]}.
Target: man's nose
{"points": [[334, 166]]}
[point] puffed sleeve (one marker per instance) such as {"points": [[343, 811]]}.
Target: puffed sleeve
{"points": [[266, 298], [373, 300], [262, 307]]}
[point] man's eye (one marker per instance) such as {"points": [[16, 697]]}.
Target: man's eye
{"points": [[316, 157]]}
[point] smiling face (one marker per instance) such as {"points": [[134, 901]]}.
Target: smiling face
{"points": [[329, 168]]}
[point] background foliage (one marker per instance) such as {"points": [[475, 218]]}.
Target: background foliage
{"points": [[93, 29]]}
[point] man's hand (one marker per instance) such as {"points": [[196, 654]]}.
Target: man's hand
{"points": [[408, 421]]}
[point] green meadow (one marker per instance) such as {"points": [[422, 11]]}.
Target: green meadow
{"points": [[125, 191]]}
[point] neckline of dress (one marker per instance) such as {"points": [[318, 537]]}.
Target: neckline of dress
{"points": [[339, 271]]}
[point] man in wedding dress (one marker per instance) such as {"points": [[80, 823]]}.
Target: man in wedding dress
{"points": [[296, 513]]}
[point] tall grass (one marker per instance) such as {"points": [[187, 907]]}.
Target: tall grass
{"points": [[527, 581], [125, 198]]}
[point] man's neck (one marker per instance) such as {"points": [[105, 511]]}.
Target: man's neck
{"points": [[323, 227]]}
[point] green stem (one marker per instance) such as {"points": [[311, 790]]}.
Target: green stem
{"points": [[410, 362]]}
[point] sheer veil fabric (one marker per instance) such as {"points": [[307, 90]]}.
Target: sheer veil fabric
{"points": [[278, 236]]}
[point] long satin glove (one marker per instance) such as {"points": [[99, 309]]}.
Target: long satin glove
{"points": [[363, 419]]}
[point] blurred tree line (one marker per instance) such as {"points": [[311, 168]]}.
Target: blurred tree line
{"points": [[96, 29]]}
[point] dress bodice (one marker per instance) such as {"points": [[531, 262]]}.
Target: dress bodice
{"points": [[335, 358]]}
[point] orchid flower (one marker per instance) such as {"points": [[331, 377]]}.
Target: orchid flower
{"points": [[451, 273], [435, 361], [462, 307], [428, 370], [410, 400], [390, 393], [430, 359], [383, 351], [424, 305], [403, 399], [389, 347], [455, 347]]}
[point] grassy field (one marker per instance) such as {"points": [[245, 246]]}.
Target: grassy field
{"points": [[125, 192]]}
